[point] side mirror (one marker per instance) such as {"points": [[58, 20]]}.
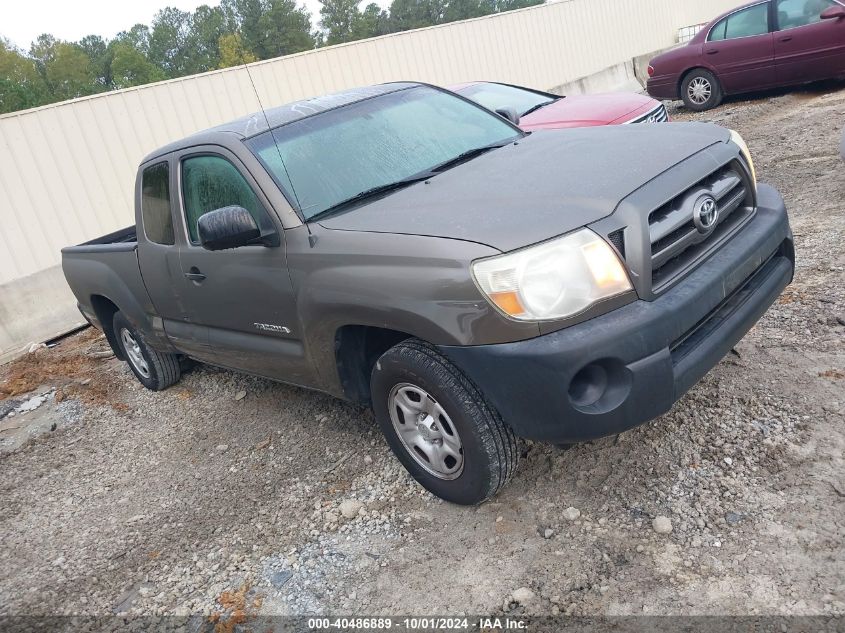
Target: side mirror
{"points": [[833, 13], [229, 227], [510, 114]]}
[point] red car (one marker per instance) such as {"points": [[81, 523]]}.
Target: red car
{"points": [[757, 46], [536, 110]]}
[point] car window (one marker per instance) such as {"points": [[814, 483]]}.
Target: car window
{"points": [[155, 204], [746, 23], [212, 182], [325, 159], [795, 13], [495, 96]]}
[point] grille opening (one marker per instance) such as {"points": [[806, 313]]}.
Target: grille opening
{"points": [[677, 244], [617, 239]]}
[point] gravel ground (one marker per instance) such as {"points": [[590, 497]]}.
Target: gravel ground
{"points": [[231, 494]]}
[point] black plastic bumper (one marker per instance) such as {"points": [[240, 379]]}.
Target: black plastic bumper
{"points": [[621, 369]]}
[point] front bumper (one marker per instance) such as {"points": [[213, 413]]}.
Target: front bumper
{"points": [[629, 366]]}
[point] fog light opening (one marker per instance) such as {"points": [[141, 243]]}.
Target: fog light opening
{"points": [[588, 385], [601, 386]]}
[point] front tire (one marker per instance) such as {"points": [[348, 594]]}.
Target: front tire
{"points": [[701, 90], [155, 370], [439, 425]]}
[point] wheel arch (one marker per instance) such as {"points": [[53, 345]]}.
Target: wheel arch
{"points": [[685, 74], [105, 309], [357, 348]]}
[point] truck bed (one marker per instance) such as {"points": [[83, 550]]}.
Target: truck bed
{"points": [[122, 240]]}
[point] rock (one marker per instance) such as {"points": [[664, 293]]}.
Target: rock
{"points": [[523, 595], [265, 443], [349, 508], [279, 578], [549, 533], [733, 517], [32, 404], [222, 448], [240, 395], [368, 460], [662, 525], [571, 513]]}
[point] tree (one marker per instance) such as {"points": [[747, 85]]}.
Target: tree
{"points": [[130, 67], [465, 9], [208, 25], [372, 22], [338, 19], [232, 51], [65, 68], [415, 14], [21, 85], [285, 29], [169, 41], [99, 57]]}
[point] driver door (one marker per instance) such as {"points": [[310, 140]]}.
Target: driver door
{"points": [[807, 47], [242, 297]]}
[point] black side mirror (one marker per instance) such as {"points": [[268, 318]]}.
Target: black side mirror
{"points": [[229, 227], [510, 114]]}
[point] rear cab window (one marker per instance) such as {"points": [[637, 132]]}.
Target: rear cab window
{"points": [[155, 204]]}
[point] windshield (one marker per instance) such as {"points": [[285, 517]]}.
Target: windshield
{"points": [[496, 96], [332, 157]]}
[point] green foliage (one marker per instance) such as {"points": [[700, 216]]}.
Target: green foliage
{"points": [[21, 85], [130, 67], [179, 43], [232, 52]]}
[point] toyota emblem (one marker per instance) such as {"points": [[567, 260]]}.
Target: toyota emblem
{"points": [[705, 214]]}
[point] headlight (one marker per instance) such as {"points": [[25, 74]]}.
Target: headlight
{"points": [[553, 280], [736, 137]]}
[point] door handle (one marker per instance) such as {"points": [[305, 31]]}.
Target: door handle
{"points": [[195, 275], [786, 39], [712, 52]]}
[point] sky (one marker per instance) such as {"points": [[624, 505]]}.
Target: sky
{"points": [[21, 21]]}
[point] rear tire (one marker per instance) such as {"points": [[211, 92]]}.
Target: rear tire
{"points": [[155, 370], [701, 90], [439, 425]]}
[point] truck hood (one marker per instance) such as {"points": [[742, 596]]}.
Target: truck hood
{"points": [[547, 184]]}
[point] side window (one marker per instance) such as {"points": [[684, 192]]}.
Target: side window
{"points": [[795, 13], [717, 33], [155, 204], [746, 23], [212, 182]]}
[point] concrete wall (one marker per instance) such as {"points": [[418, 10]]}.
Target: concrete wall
{"points": [[67, 170]]}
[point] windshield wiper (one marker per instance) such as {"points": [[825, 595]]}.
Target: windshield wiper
{"points": [[371, 193], [468, 155], [540, 105]]}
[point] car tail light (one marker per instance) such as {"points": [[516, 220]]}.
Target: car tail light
{"points": [[651, 71]]}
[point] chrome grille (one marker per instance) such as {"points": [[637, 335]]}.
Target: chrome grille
{"points": [[679, 241], [656, 115]]}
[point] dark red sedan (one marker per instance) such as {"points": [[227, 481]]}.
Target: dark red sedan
{"points": [[534, 110], [757, 46]]}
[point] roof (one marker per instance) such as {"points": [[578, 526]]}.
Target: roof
{"points": [[257, 122]]}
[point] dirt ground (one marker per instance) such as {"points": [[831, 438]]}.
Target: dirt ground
{"points": [[225, 494]]}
